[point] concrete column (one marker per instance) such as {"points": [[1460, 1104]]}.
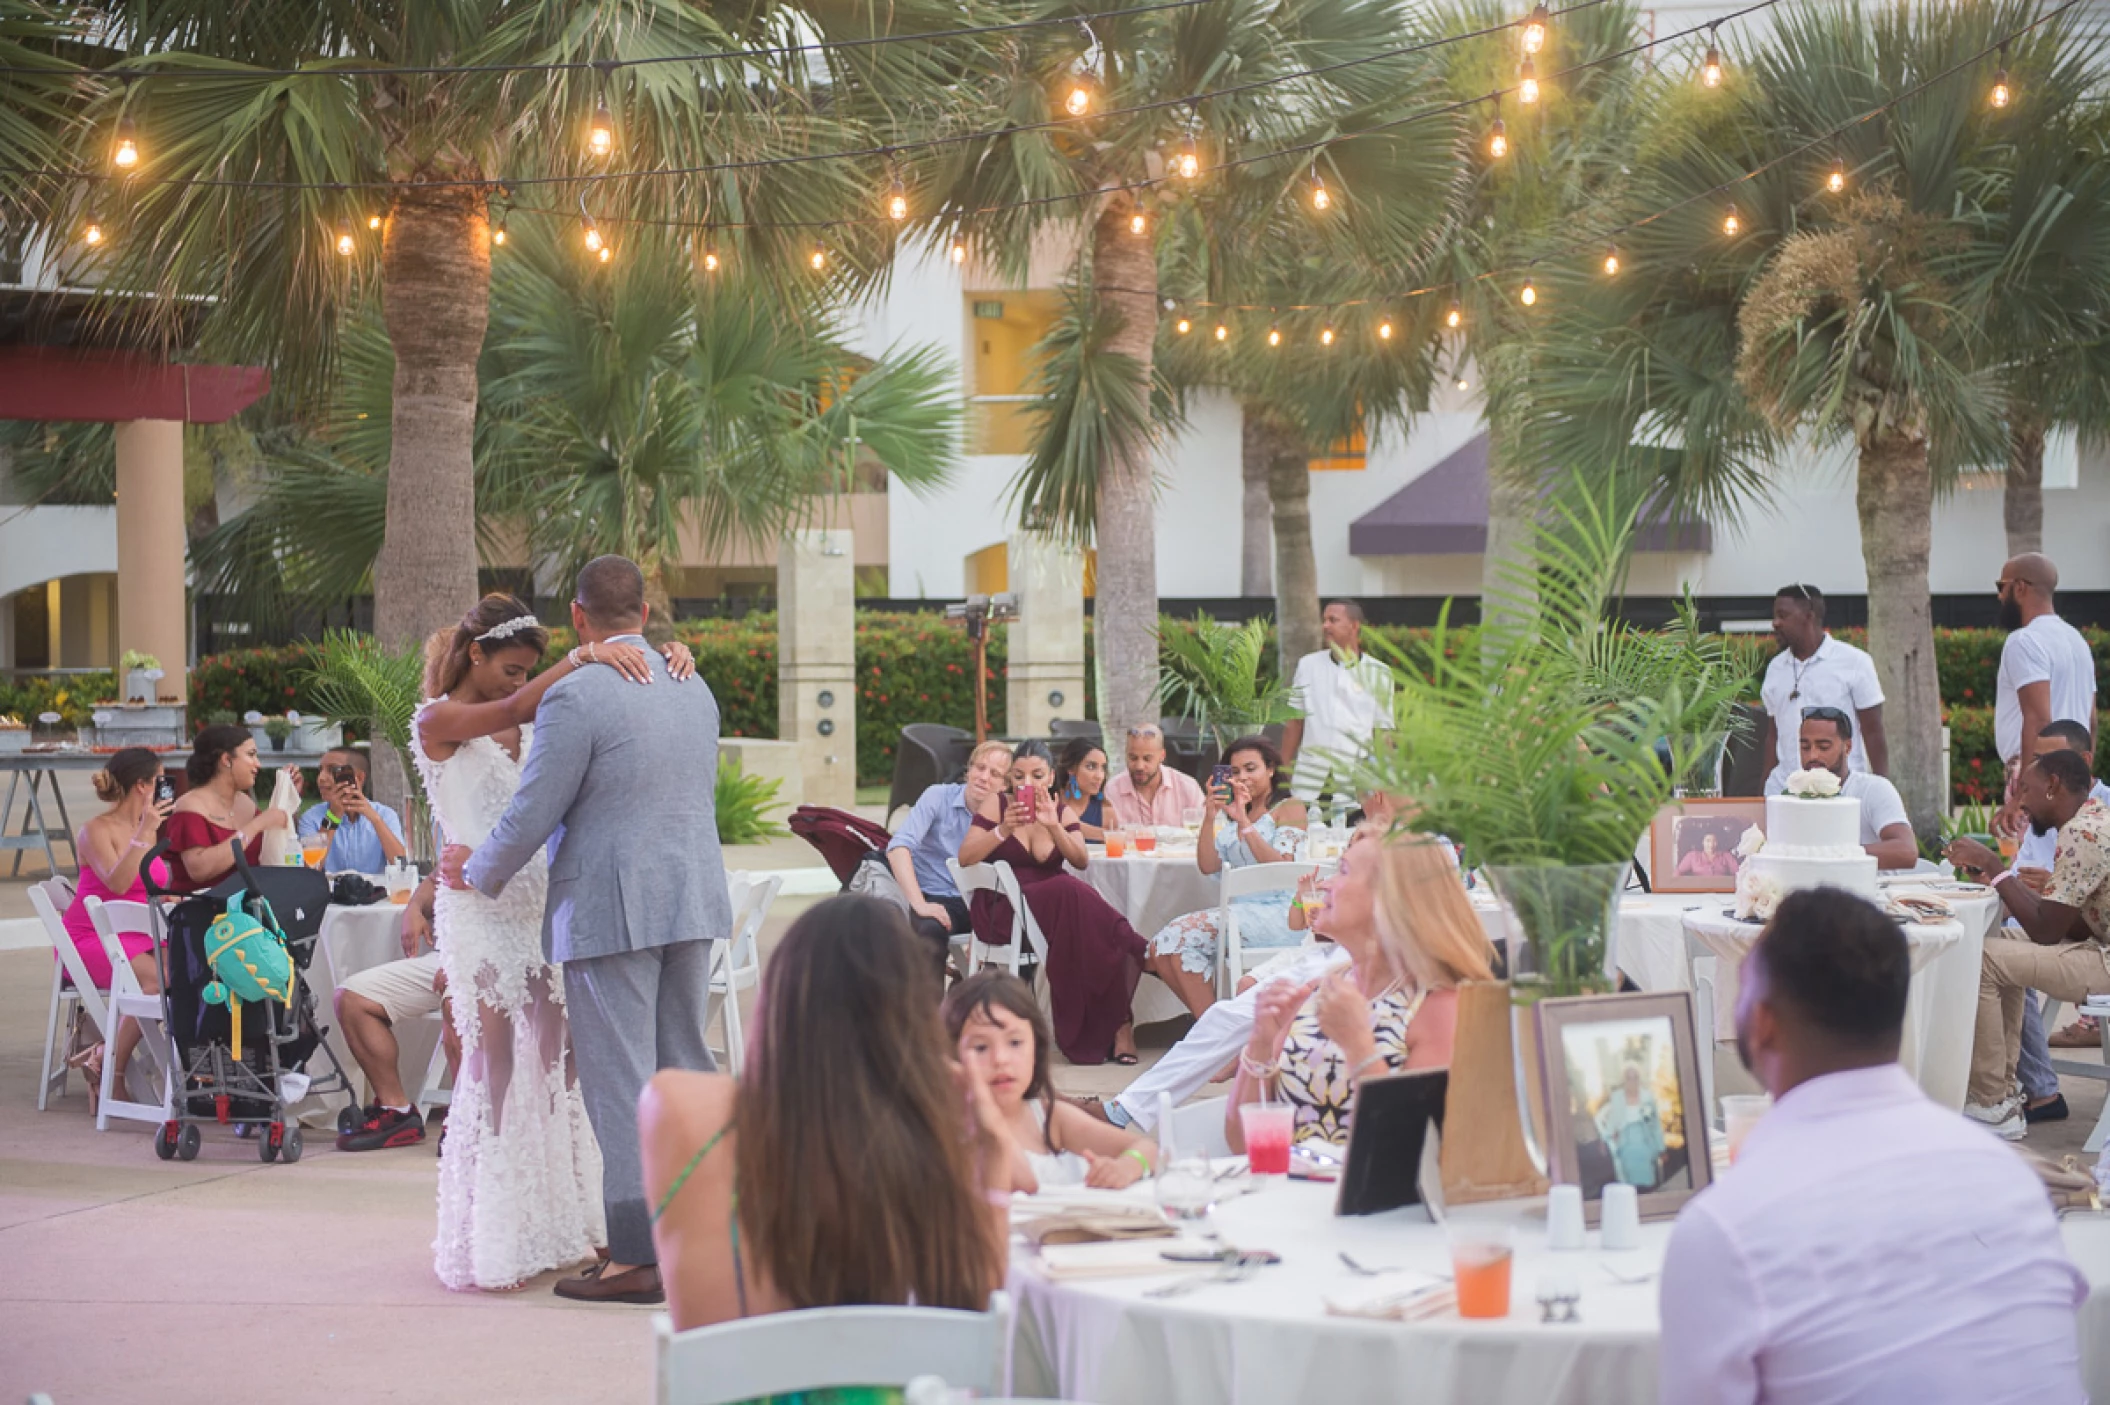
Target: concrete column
{"points": [[152, 609], [1045, 644], [817, 661]]}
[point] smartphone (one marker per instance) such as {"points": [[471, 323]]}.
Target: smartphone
{"points": [[1029, 796], [344, 775], [164, 790], [1220, 780]]}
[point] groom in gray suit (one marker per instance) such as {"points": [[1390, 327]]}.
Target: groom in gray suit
{"points": [[619, 785]]}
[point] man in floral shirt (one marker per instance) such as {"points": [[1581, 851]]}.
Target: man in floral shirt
{"points": [[2066, 955]]}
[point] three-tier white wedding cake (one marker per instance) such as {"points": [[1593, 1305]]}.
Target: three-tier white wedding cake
{"points": [[1812, 840]]}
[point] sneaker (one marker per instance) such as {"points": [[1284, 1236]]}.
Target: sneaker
{"points": [[384, 1127], [2004, 1120]]}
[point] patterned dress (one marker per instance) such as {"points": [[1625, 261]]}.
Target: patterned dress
{"points": [[1263, 918], [1315, 1073]]}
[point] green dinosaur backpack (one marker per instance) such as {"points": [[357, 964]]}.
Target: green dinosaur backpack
{"points": [[249, 959]]}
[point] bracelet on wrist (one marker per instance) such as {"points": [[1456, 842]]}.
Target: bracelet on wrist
{"points": [[1140, 1159], [1252, 1067]]}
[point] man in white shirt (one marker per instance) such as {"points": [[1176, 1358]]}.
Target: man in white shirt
{"points": [[1868, 1245], [1344, 696], [1813, 669], [1825, 742], [2047, 671]]}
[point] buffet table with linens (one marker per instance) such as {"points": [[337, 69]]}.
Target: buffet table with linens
{"points": [[1270, 1338]]}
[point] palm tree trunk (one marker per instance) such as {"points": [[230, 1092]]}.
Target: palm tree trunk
{"points": [[1125, 612], [1505, 597], [2022, 500], [1895, 496], [1296, 569], [436, 297], [1255, 568]]}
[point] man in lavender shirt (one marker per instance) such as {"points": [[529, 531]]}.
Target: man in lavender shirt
{"points": [[1868, 1245]]}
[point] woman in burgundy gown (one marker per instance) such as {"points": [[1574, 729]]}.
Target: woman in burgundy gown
{"points": [[1094, 956]]}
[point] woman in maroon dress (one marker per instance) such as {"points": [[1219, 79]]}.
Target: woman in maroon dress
{"points": [[1094, 956], [219, 805]]}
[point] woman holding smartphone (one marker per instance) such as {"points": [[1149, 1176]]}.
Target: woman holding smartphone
{"points": [[112, 847], [1094, 957], [1247, 819]]}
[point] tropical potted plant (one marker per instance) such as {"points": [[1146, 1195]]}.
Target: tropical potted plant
{"points": [[277, 730], [354, 680], [1215, 673], [141, 672]]}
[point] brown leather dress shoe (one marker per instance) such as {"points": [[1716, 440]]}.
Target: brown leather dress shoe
{"points": [[2081, 1034], [638, 1285]]}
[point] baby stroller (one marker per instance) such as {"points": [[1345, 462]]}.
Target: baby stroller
{"points": [[234, 1057]]}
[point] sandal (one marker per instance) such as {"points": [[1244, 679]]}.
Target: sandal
{"points": [[1126, 1060]]}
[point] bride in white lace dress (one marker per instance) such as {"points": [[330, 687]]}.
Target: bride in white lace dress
{"points": [[520, 1173]]}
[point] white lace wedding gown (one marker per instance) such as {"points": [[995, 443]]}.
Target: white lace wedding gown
{"points": [[520, 1174]]}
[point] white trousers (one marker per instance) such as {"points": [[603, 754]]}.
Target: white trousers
{"points": [[1219, 1034]]}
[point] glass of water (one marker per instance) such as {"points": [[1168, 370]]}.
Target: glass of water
{"points": [[1185, 1188]]}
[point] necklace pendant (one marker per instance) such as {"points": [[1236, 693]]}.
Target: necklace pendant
{"points": [[1794, 695]]}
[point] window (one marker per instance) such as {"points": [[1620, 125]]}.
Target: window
{"points": [[1347, 454]]}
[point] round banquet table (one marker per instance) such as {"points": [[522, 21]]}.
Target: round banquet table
{"points": [[1270, 1338]]}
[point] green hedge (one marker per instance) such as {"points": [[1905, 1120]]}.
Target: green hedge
{"points": [[918, 668]]}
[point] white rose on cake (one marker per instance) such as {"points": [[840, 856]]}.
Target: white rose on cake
{"points": [[1750, 842], [1813, 785], [1757, 895]]}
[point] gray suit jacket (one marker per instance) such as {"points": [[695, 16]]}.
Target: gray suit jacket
{"points": [[619, 784]]}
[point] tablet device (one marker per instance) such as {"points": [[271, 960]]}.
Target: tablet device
{"points": [[1389, 1129]]}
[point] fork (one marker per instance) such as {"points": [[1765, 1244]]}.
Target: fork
{"points": [[1366, 1271], [1229, 1273]]}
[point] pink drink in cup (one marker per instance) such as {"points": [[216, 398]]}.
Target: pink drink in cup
{"points": [[1146, 841], [1267, 1128]]}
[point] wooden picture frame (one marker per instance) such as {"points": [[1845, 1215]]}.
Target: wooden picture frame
{"points": [[1626, 1070], [1677, 840]]}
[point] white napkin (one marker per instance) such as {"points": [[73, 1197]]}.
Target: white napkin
{"points": [[1405, 1298], [277, 841]]}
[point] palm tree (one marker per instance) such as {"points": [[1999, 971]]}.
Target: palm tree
{"points": [[419, 150], [623, 408], [1855, 317]]}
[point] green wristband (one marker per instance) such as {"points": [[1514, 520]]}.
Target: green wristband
{"points": [[1141, 1160]]}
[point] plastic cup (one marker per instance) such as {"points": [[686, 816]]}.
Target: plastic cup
{"points": [[1619, 1217], [1481, 1255], [1116, 843], [1267, 1129], [1564, 1218], [1146, 841], [1740, 1113]]}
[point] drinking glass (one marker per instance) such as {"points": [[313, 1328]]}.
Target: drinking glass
{"points": [[1185, 1188], [1191, 821], [314, 849], [1481, 1255], [1740, 1113], [1268, 1127], [1116, 843], [1146, 840]]}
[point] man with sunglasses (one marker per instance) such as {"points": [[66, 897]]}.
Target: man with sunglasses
{"points": [[1826, 744], [1813, 669]]}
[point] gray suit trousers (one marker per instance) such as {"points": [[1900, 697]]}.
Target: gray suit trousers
{"points": [[612, 1001]]}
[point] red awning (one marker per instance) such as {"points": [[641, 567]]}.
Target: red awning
{"points": [[54, 383]]}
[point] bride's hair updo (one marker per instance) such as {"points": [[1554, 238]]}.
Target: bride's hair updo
{"points": [[447, 652]]}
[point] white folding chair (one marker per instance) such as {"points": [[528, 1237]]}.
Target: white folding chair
{"points": [[113, 920], [70, 986], [998, 878], [435, 1090], [2096, 1007], [815, 1348], [1237, 883], [1198, 1128], [737, 963], [1705, 974]]}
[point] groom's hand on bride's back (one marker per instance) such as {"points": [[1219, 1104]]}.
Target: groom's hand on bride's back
{"points": [[453, 859]]}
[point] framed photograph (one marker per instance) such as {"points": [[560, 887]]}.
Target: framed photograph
{"points": [[1626, 1070], [1692, 844]]}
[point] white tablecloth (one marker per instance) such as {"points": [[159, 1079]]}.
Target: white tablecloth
{"points": [[1269, 1339], [354, 938]]}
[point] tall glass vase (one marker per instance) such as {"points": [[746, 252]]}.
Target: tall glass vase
{"points": [[1569, 914]]}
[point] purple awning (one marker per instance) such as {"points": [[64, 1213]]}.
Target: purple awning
{"points": [[1444, 512]]}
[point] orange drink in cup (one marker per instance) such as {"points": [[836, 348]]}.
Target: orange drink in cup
{"points": [[1481, 1255], [314, 849], [1146, 841], [1116, 843]]}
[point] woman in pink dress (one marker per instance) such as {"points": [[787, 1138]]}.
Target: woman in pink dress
{"points": [[111, 847]]}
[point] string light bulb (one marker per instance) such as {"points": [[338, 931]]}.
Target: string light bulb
{"points": [[373, 221], [959, 251], [1711, 65], [1455, 318], [1183, 326], [1321, 198], [594, 242], [2002, 93], [1535, 28], [498, 235], [1731, 224], [1384, 331], [1274, 336], [600, 134], [1326, 336], [1188, 164], [1497, 140], [92, 233], [1836, 181], [1611, 263], [897, 202], [124, 151], [1223, 333], [818, 258], [607, 253], [1079, 100], [1529, 295], [345, 243], [1527, 82], [1138, 223], [710, 259]]}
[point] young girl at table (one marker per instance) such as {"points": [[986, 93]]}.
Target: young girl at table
{"points": [[997, 1029]]}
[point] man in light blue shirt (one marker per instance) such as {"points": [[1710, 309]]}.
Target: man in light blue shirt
{"points": [[932, 833], [364, 836]]}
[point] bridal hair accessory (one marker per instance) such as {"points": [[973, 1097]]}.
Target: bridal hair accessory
{"points": [[506, 629]]}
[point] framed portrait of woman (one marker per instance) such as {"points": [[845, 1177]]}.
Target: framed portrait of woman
{"points": [[1621, 1076], [1693, 844]]}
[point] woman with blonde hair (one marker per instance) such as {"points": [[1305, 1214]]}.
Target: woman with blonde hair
{"points": [[1398, 907], [520, 1174]]}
